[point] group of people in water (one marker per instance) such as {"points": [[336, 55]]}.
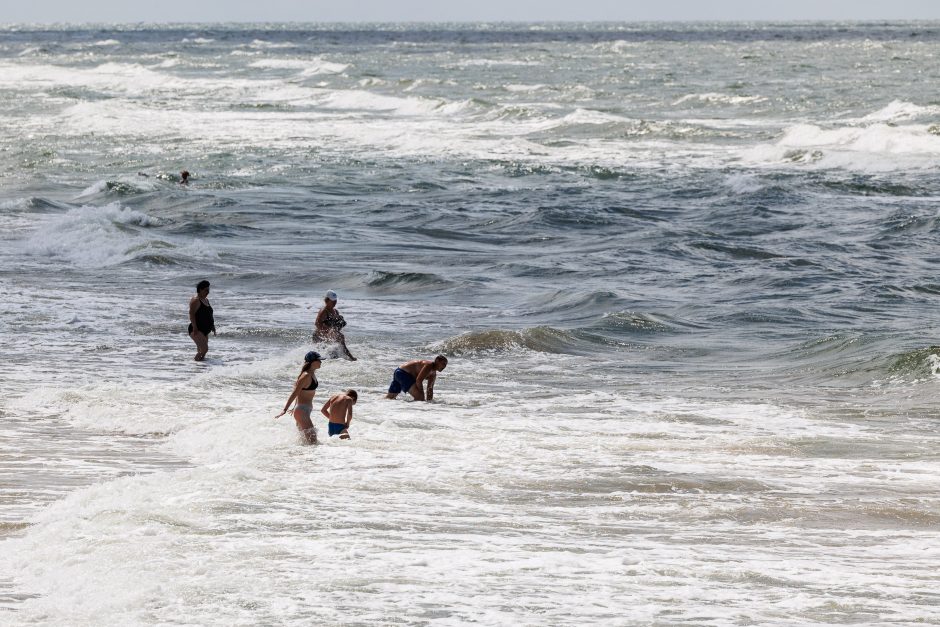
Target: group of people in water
{"points": [[415, 377]]}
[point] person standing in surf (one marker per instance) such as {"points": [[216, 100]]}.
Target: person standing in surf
{"points": [[410, 377], [329, 324], [305, 388], [338, 410], [201, 320]]}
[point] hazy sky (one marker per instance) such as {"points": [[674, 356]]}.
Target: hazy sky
{"points": [[49, 11]]}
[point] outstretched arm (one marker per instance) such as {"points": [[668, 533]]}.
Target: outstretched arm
{"points": [[293, 394]]}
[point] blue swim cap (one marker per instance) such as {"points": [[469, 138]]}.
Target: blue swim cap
{"points": [[312, 356]]}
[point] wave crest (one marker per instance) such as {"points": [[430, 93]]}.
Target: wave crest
{"points": [[405, 281], [541, 339]]}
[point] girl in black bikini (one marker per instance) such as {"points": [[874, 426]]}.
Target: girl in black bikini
{"points": [[201, 320], [304, 390]]}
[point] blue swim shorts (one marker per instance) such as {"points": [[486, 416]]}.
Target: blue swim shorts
{"points": [[401, 382], [336, 428]]}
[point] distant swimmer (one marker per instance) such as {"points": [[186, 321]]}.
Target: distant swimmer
{"points": [[305, 389], [201, 320], [184, 177], [329, 325], [338, 410], [410, 377]]}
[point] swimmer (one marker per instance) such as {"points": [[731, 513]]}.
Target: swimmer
{"points": [[184, 177], [329, 324], [338, 410], [410, 377], [304, 390], [201, 320]]}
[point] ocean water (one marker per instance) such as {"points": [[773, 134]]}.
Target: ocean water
{"points": [[686, 276]]}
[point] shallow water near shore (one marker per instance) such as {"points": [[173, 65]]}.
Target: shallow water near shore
{"points": [[684, 274]]}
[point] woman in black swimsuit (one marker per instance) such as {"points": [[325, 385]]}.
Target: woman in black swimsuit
{"points": [[304, 390], [329, 324], [201, 320]]}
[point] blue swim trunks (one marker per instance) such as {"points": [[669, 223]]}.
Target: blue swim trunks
{"points": [[401, 382], [336, 428]]}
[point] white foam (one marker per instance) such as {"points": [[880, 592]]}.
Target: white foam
{"points": [[525, 88], [439, 492], [717, 98], [876, 147], [898, 110], [265, 45], [95, 237], [308, 67]]}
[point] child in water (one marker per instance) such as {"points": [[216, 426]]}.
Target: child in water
{"points": [[339, 411]]}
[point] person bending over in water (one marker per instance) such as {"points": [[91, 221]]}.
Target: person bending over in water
{"points": [[409, 377], [338, 410], [201, 320], [304, 390], [329, 325]]}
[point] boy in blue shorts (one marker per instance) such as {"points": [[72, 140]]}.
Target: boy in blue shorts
{"points": [[338, 410]]}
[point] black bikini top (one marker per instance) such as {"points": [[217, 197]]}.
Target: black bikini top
{"points": [[313, 383]]}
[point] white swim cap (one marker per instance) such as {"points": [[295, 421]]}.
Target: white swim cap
{"points": [[331, 294]]}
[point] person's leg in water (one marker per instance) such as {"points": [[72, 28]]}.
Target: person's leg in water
{"points": [[337, 428], [202, 344], [401, 382], [304, 424], [342, 343]]}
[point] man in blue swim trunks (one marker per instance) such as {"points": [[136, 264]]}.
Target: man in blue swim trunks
{"points": [[410, 377]]}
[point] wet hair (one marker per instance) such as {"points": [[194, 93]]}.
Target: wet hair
{"points": [[202, 285], [352, 394], [440, 359]]}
